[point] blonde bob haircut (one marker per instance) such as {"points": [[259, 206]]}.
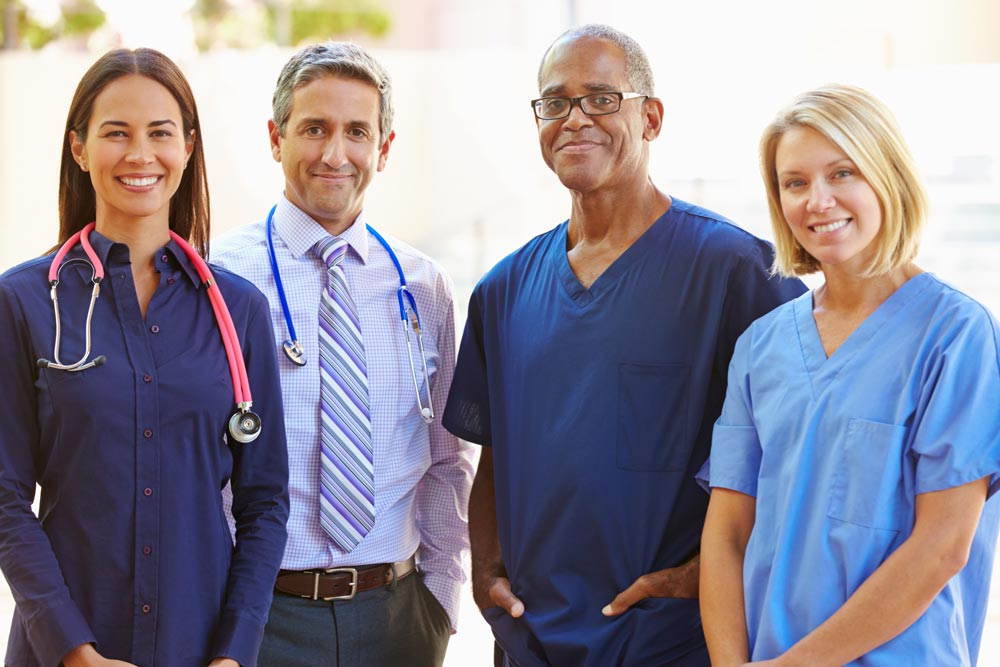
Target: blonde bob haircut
{"points": [[866, 131]]}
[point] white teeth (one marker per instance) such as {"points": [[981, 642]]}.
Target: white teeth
{"points": [[139, 182], [829, 227]]}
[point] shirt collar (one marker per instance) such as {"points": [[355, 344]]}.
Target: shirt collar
{"points": [[104, 246], [301, 232]]}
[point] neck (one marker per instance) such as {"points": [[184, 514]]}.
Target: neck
{"points": [[846, 291], [143, 236], [617, 217]]}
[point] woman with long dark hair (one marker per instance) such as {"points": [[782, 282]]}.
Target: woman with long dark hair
{"points": [[118, 397]]}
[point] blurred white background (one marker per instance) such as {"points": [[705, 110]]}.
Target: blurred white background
{"points": [[465, 182]]}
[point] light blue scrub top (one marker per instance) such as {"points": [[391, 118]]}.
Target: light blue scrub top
{"points": [[836, 450]]}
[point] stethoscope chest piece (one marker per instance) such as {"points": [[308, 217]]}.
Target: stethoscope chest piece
{"points": [[294, 352], [407, 314], [244, 426]]}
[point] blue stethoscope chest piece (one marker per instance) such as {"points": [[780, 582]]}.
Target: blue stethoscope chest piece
{"points": [[407, 313], [294, 352]]}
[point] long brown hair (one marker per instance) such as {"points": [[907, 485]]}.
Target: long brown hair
{"points": [[189, 210]]}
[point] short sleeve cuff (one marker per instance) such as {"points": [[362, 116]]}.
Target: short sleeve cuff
{"points": [[238, 637], [735, 460], [929, 483]]}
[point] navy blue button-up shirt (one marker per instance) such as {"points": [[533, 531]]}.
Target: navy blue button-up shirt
{"points": [[131, 549]]}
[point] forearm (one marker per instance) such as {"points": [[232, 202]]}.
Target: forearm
{"points": [[487, 560], [728, 526], [442, 499], [887, 603], [260, 507], [723, 613], [901, 589], [37, 583]]}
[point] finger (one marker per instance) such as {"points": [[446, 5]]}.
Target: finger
{"points": [[501, 594], [626, 599]]}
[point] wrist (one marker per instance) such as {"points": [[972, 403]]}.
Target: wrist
{"points": [[791, 658], [82, 656]]}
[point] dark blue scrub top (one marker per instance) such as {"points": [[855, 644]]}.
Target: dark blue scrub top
{"points": [[599, 405], [132, 550]]}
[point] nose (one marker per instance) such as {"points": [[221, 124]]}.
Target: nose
{"points": [[577, 118], [820, 197], [138, 151], [334, 153]]}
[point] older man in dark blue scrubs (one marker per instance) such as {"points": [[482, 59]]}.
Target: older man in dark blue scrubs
{"points": [[592, 368]]}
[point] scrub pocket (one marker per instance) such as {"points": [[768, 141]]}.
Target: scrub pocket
{"points": [[653, 417], [867, 486]]}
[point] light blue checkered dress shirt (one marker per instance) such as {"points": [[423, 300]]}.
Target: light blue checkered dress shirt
{"points": [[422, 473]]}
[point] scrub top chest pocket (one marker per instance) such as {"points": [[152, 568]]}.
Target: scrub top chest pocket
{"points": [[652, 417], [867, 487]]}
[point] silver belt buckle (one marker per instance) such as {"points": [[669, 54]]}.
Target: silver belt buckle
{"points": [[336, 570]]}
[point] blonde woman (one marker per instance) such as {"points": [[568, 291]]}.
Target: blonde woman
{"points": [[852, 468]]}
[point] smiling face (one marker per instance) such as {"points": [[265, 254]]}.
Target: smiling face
{"points": [[135, 151], [591, 153], [828, 205], [331, 149]]}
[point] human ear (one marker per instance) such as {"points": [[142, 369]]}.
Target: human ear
{"points": [[383, 152], [78, 150], [274, 137], [652, 115]]}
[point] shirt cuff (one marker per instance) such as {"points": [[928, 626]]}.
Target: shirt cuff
{"points": [[57, 631], [239, 638], [447, 592]]}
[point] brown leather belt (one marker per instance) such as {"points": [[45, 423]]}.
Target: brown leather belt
{"points": [[341, 583]]}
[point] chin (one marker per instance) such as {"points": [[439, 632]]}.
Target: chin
{"points": [[578, 182]]}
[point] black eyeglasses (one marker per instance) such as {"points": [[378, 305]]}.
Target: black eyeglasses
{"points": [[595, 104]]}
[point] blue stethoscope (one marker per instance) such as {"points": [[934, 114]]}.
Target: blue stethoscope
{"points": [[407, 313]]}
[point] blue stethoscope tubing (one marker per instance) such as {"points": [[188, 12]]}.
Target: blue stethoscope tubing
{"points": [[408, 314]]}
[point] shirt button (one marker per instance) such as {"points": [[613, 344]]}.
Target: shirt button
{"points": [[147, 433], [163, 257], [170, 280], [155, 328], [147, 378], [146, 608], [147, 550], [147, 491]]}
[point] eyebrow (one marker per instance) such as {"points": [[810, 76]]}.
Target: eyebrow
{"points": [[307, 122], [592, 87], [832, 163], [121, 123]]}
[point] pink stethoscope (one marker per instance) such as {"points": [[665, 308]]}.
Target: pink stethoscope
{"points": [[244, 425]]}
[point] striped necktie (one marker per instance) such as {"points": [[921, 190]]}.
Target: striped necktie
{"points": [[347, 477]]}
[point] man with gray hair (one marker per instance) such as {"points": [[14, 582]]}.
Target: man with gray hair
{"points": [[592, 368], [379, 490]]}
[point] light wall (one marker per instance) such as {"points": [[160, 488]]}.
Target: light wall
{"points": [[465, 181]]}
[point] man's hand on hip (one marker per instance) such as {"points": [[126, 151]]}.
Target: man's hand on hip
{"points": [[673, 582], [495, 592]]}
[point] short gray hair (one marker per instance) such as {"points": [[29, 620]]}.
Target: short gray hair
{"points": [[637, 69], [341, 59]]}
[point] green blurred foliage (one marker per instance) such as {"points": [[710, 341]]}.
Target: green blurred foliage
{"points": [[216, 22], [77, 19], [312, 21], [81, 18]]}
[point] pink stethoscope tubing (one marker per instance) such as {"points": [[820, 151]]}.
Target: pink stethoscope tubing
{"points": [[244, 425]]}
